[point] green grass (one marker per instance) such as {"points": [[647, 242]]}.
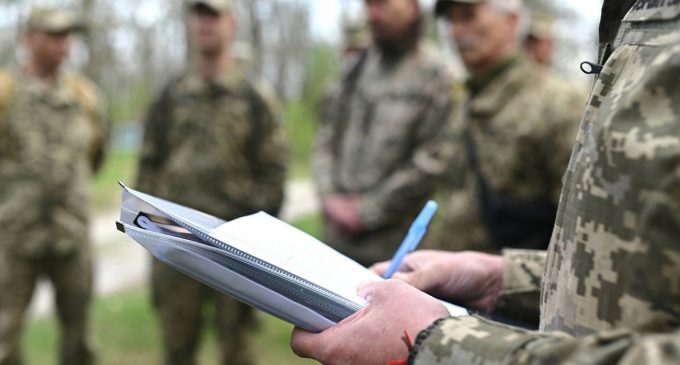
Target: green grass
{"points": [[311, 224], [126, 330], [301, 122], [105, 192]]}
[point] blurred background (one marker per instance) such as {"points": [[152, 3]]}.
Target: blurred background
{"points": [[130, 50]]}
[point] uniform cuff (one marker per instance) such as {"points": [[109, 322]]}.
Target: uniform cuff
{"points": [[468, 340], [523, 270]]}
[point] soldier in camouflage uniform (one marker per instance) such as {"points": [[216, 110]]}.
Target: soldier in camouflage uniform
{"points": [[213, 141], [505, 180], [52, 133], [610, 283], [382, 146]]}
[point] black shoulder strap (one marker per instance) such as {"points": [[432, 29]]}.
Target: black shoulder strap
{"points": [[352, 76], [349, 84], [613, 11]]}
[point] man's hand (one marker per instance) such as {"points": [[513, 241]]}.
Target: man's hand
{"points": [[469, 278], [374, 334], [343, 211]]}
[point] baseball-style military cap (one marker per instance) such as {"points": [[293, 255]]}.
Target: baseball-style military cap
{"points": [[541, 25], [53, 20], [219, 6], [441, 5]]}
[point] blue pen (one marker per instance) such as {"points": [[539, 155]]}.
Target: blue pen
{"points": [[413, 238]]}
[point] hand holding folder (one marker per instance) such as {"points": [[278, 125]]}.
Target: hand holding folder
{"points": [[257, 259]]}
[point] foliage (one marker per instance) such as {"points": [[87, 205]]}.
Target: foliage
{"points": [[302, 115], [301, 122], [130, 107], [323, 66]]}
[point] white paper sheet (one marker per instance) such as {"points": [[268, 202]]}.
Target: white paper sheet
{"points": [[295, 251]]}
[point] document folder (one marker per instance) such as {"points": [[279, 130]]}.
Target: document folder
{"points": [[257, 259]]}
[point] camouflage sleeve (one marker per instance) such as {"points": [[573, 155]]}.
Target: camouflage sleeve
{"points": [[474, 340], [419, 175], [323, 157], [154, 145], [521, 291], [269, 175]]}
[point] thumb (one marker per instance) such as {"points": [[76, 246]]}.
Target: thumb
{"points": [[303, 343]]}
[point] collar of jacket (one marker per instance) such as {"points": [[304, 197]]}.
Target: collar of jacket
{"points": [[57, 94], [498, 90], [229, 81], [478, 84], [613, 12]]}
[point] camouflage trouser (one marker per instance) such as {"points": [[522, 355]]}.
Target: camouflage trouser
{"points": [[71, 277], [181, 303]]}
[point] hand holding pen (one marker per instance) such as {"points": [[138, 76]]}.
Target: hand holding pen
{"points": [[413, 238]]}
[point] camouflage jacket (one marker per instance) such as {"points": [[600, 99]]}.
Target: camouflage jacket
{"points": [[52, 138], [217, 147], [611, 287], [523, 122], [385, 138]]}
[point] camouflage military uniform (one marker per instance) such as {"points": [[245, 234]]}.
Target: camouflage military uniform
{"points": [[523, 123], [385, 138], [611, 288], [219, 148], [51, 140]]}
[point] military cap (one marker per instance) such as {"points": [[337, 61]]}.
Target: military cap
{"points": [[541, 25], [442, 5], [219, 6], [53, 20]]}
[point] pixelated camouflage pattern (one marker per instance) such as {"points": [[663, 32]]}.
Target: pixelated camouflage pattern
{"points": [[522, 282], [47, 156], [196, 152], [615, 231], [523, 123], [386, 142], [50, 144], [474, 340], [612, 281]]}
